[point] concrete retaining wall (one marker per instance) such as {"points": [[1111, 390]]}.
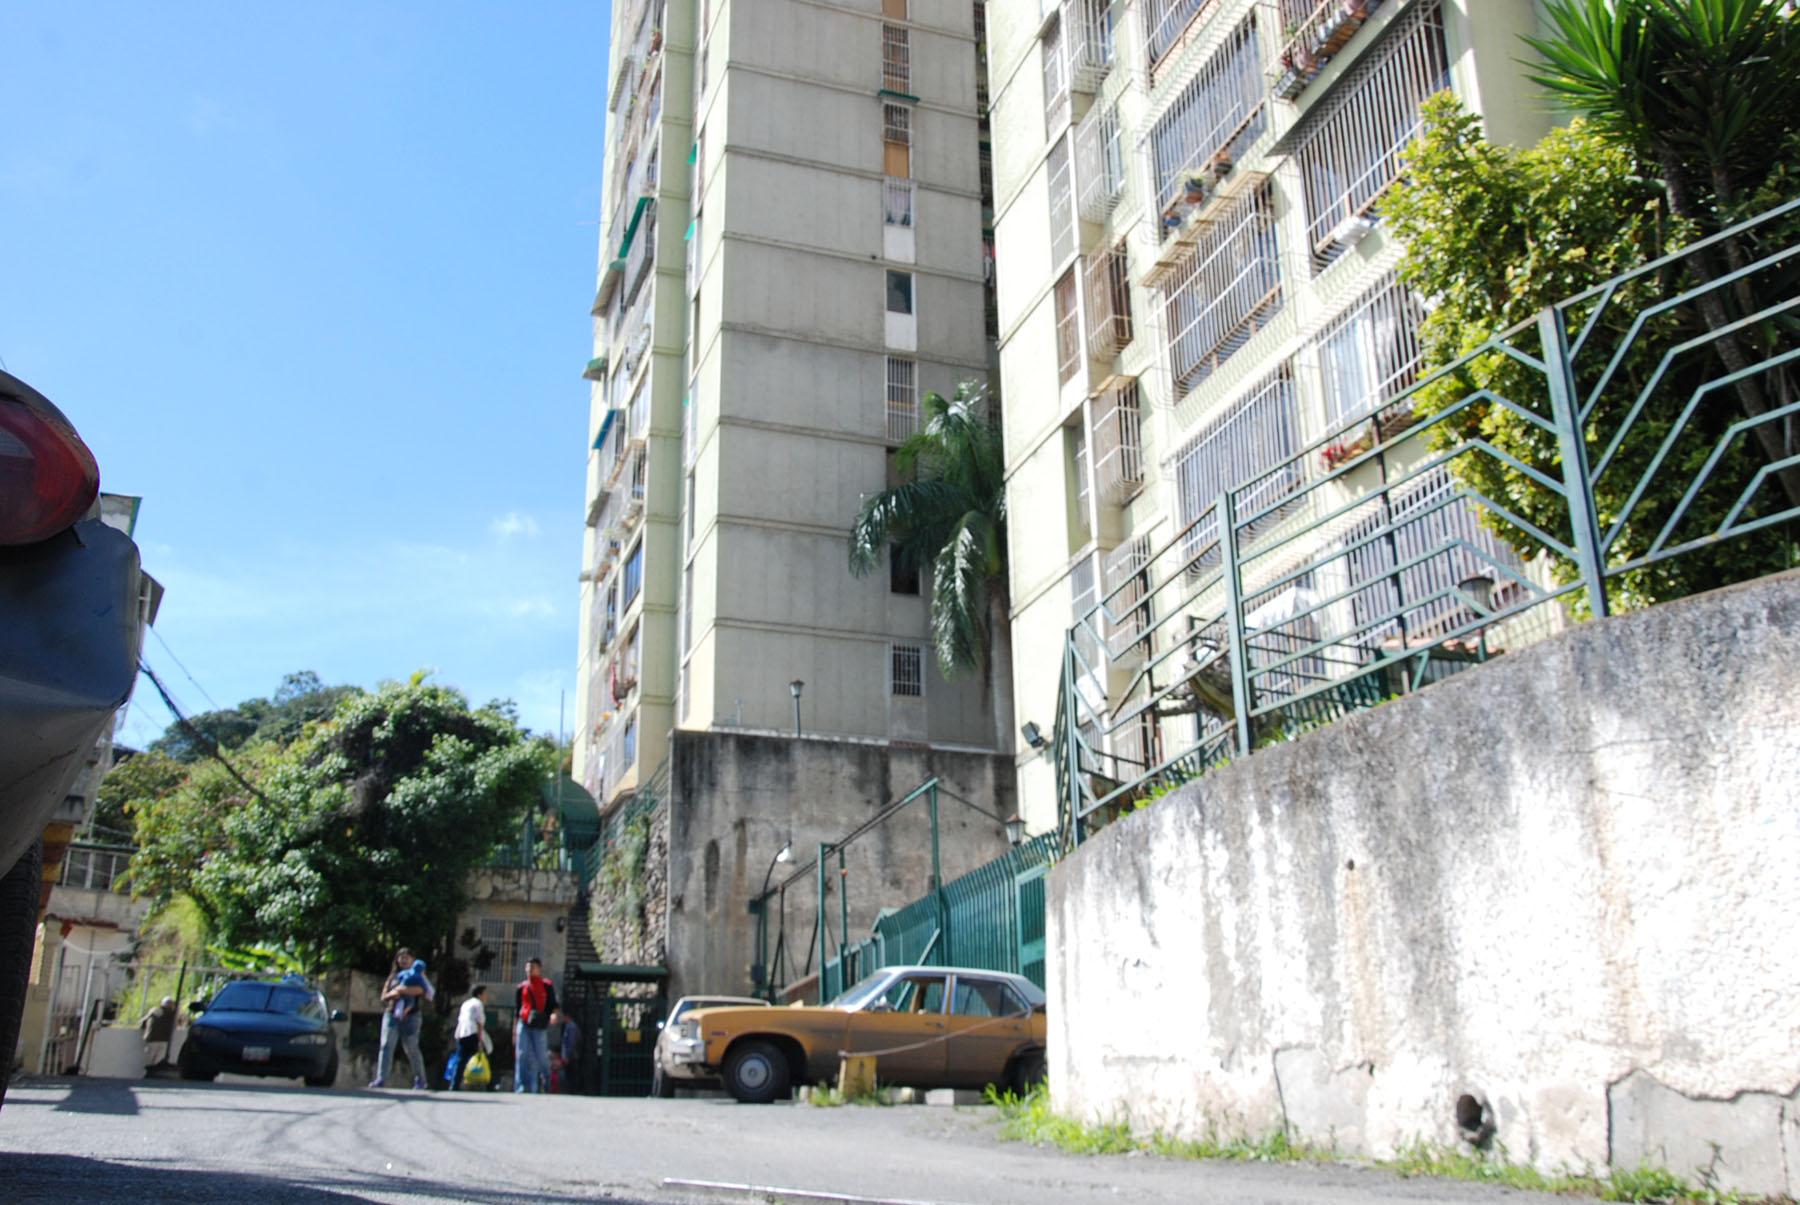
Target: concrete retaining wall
{"points": [[1559, 891]]}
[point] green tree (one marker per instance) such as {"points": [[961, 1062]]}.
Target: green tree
{"points": [[950, 515], [301, 699], [134, 780], [179, 830]]}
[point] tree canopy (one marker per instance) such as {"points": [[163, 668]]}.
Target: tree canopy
{"points": [[300, 700]]}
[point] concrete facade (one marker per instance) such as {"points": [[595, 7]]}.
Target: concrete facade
{"points": [[1543, 903]]}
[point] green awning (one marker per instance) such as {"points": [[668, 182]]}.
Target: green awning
{"points": [[614, 972]]}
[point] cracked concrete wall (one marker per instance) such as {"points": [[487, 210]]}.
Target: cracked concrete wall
{"points": [[1562, 885]]}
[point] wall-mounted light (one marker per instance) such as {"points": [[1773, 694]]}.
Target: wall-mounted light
{"points": [[1034, 736], [1015, 829], [796, 686]]}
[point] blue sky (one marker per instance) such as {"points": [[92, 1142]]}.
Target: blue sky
{"points": [[313, 280]]}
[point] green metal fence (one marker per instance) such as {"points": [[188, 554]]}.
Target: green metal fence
{"points": [[1650, 427], [992, 918]]}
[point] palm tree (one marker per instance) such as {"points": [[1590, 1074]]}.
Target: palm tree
{"points": [[950, 514], [1706, 93]]}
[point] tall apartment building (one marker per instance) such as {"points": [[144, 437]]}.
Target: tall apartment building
{"points": [[793, 254], [1218, 288]]}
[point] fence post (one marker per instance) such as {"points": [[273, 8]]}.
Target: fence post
{"points": [[843, 920], [1071, 729], [1240, 670], [819, 866], [1564, 408], [937, 878]]}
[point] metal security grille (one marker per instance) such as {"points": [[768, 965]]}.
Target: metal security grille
{"points": [[1084, 592], [896, 59], [902, 398], [1212, 122], [907, 667], [1108, 283], [1100, 154], [1127, 583], [1089, 24], [1167, 21], [1228, 289], [1068, 327], [1349, 152], [512, 942], [1056, 79], [1257, 434], [1371, 352], [897, 202], [1118, 453], [1062, 203], [896, 124], [1078, 453]]}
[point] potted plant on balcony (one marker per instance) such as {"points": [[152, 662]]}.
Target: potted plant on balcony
{"points": [[1195, 187], [1291, 81]]}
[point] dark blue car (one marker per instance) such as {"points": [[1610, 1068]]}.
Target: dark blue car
{"points": [[255, 1028]]}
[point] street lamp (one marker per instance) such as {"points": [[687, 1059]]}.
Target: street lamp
{"points": [[1015, 828], [796, 686], [758, 973]]}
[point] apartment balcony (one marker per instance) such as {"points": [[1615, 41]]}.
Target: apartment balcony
{"points": [[1100, 162], [1117, 441], [1088, 26], [1107, 285], [1316, 31], [1170, 25], [1207, 129]]}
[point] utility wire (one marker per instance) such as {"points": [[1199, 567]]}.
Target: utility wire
{"points": [[184, 669], [205, 742]]}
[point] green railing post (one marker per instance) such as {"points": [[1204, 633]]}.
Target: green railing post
{"points": [[937, 876], [819, 918], [1559, 368], [1234, 586], [1071, 727], [843, 920]]}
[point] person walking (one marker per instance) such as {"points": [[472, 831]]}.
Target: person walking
{"points": [[159, 1033], [471, 1032], [569, 1049], [535, 1000], [402, 998]]}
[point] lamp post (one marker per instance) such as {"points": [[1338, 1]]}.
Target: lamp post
{"points": [[796, 686], [759, 972]]}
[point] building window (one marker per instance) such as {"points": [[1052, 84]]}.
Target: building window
{"points": [[1056, 79], [1250, 449], [1227, 291], [634, 575], [513, 943], [628, 746], [1349, 152], [1100, 153], [1068, 327], [690, 510], [687, 690], [896, 60], [896, 137], [1118, 455], [897, 201], [1084, 595], [1371, 353], [902, 398], [1090, 53], [1109, 301], [899, 292], [907, 666], [1210, 125], [894, 10], [903, 571], [687, 609], [1165, 21], [1062, 203], [985, 153], [1078, 467]]}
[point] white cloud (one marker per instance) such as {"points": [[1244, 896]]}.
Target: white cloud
{"points": [[514, 523]]}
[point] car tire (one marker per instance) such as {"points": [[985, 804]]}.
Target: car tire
{"points": [[190, 1069], [661, 1086], [756, 1073], [1028, 1071], [19, 892], [328, 1077]]}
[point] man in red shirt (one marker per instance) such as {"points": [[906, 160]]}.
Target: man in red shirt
{"points": [[535, 999]]}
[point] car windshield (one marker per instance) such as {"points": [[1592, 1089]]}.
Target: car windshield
{"points": [[267, 998], [863, 994]]}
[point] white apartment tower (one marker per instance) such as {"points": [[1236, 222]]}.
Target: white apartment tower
{"points": [[1194, 280], [792, 254]]}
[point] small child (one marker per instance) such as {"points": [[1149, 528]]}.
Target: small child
{"points": [[412, 976]]}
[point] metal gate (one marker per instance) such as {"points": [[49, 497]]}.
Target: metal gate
{"points": [[618, 1031]]}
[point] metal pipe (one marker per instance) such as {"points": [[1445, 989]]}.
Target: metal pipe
{"points": [[819, 864]]}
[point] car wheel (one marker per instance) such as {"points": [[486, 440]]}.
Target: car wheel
{"points": [[1028, 1071], [756, 1073], [661, 1086], [191, 1069], [328, 1077], [18, 937]]}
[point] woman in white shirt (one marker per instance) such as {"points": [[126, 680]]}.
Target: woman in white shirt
{"points": [[471, 1032]]}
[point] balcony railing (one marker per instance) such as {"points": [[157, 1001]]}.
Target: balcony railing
{"points": [[1227, 291], [1209, 126], [1319, 29], [1168, 24]]}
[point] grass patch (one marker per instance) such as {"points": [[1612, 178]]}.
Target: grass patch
{"points": [[1643, 1183], [827, 1096], [1030, 1119]]}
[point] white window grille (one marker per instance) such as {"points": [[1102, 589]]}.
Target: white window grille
{"points": [[634, 576], [1078, 454], [906, 664], [1250, 447], [896, 124], [1349, 152], [896, 60], [1118, 455], [513, 943], [1127, 585], [1100, 154], [1068, 327], [1226, 291], [687, 690], [1210, 124], [1371, 352], [687, 609], [1166, 23], [1089, 25], [1084, 595], [1056, 79], [1108, 286], [902, 398], [1062, 203], [897, 201]]}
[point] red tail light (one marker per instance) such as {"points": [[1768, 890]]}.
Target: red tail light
{"points": [[48, 478]]}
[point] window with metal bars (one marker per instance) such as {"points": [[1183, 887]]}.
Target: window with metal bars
{"points": [[1084, 489], [1249, 448], [1108, 285], [1056, 79], [902, 398], [687, 608], [1090, 50], [1084, 596], [896, 139], [1100, 157], [896, 59], [1118, 455], [1062, 203], [897, 201], [985, 156], [1167, 21], [906, 669], [513, 943], [1371, 352], [1211, 123], [1227, 291], [1349, 150], [1068, 327], [1127, 584]]}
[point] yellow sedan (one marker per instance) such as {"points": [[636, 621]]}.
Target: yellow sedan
{"points": [[927, 1027]]}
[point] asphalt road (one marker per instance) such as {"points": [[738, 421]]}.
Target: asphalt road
{"points": [[69, 1140]]}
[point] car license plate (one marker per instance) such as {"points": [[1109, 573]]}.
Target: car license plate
{"points": [[256, 1054]]}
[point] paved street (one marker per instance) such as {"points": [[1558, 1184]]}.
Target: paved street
{"points": [[113, 1140]]}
